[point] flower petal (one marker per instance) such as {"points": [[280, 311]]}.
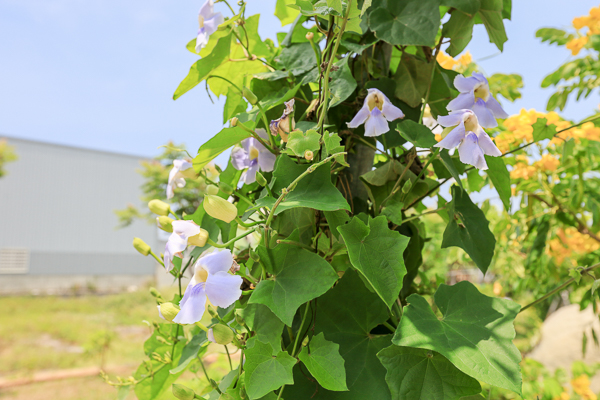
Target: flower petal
{"points": [[263, 134], [223, 289], [462, 101], [470, 152], [360, 117], [495, 107], [214, 262], [453, 119], [239, 158], [391, 112], [212, 24], [192, 305], [201, 40], [463, 84], [453, 138], [182, 165], [484, 116], [175, 244], [185, 229], [249, 176], [376, 124], [266, 160], [487, 145], [207, 10]]}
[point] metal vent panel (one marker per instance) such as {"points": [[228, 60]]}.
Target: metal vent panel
{"points": [[14, 261]]}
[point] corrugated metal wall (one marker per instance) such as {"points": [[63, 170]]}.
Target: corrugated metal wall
{"points": [[59, 203]]}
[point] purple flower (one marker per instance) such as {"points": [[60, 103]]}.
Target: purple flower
{"points": [[176, 178], [254, 156], [211, 281], [471, 139], [209, 22], [475, 95], [375, 113]]}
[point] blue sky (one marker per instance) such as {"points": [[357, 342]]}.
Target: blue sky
{"points": [[100, 74]]}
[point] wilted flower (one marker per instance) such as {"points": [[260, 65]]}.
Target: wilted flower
{"points": [[284, 124], [211, 280], [475, 95], [184, 233], [253, 155], [209, 21], [471, 139], [176, 178], [375, 113]]}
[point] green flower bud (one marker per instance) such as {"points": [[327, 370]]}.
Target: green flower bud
{"points": [[260, 179], [251, 97], [156, 294], [308, 155], [159, 207], [219, 208], [164, 223], [310, 36], [233, 122], [212, 189], [212, 312], [225, 188], [183, 392], [220, 334], [168, 311], [254, 255], [141, 246]]}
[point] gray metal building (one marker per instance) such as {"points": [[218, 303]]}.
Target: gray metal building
{"points": [[58, 226]]}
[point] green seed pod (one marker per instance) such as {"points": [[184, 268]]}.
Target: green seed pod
{"points": [[260, 179], [225, 188], [159, 207], [251, 97], [141, 246], [254, 255], [183, 392], [220, 334]]}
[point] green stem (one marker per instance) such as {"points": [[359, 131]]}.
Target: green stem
{"points": [[161, 262], [229, 358], [257, 137], [210, 381], [246, 225], [424, 213], [397, 184], [241, 363], [390, 327], [429, 160], [224, 245], [228, 81], [558, 289], [426, 99], [267, 127], [300, 329]]}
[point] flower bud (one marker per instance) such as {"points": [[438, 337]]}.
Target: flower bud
{"points": [[212, 189], [233, 121], [220, 334], [308, 155], [183, 392], [260, 179], [225, 188], [254, 255], [212, 312], [141, 246], [219, 208], [199, 239], [164, 223], [168, 311], [251, 97], [159, 207], [156, 294], [310, 36]]}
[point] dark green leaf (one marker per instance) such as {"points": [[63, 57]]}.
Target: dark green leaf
{"points": [[415, 374], [469, 7], [450, 166], [218, 144], [298, 58], [264, 324], [322, 359], [408, 22], [542, 227], [412, 79], [468, 229], [475, 333], [298, 276], [475, 180], [342, 83], [265, 372], [491, 16], [459, 29], [500, 177], [376, 252], [190, 351], [417, 134]]}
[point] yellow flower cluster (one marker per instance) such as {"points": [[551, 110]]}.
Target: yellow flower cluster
{"points": [[587, 131], [581, 386], [459, 64], [570, 242], [548, 163], [592, 22]]}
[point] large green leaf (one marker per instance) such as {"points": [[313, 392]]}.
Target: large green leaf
{"points": [[417, 134], [490, 14], [300, 142], [298, 276], [376, 251], [500, 177], [450, 166], [322, 359], [190, 351], [412, 79], [475, 333], [313, 191], [342, 82], [265, 372], [405, 23], [203, 67], [468, 229], [266, 326], [469, 7], [541, 129], [219, 143], [418, 374], [459, 29], [234, 104], [298, 58], [286, 14], [346, 315]]}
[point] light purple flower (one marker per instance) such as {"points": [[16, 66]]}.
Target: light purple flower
{"points": [[211, 280], [254, 156], [469, 136], [475, 95], [176, 178], [375, 113], [209, 22], [178, 241]]}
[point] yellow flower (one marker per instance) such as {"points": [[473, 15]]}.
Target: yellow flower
{"points": [[465, 59], [570, 242], [575, 45], [547, 163], [438, 137], [446, 61], [459, 65], [581, 386], [523, 171], [581, 22]]}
